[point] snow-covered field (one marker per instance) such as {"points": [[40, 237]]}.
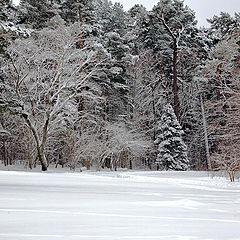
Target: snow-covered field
{"points": [[121, 205]]}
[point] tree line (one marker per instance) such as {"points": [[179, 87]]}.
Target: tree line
{"points": [[85, 83]]}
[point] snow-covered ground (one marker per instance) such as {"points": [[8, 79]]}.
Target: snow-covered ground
{"points": [[121, 205]]}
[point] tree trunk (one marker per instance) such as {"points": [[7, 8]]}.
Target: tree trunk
{"points": [[175, 56], [218, 78], [130, 164], [154, 115], [40, 147], [4, 154], [42, 158], [81, 41], [175, 81], [209, 165], [81, 37]]}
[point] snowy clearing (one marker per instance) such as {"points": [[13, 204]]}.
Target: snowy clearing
{"points": [[118, 205]]}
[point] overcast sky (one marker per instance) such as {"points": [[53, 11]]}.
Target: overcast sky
{"points": [[204, 8]]}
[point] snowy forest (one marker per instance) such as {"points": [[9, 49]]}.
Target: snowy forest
{"points": [[85, 83]]}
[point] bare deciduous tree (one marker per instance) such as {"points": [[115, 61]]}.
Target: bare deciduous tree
{"points": [[45, 73]]}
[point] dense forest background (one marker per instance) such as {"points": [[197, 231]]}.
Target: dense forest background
{"points": [[85, 83]]}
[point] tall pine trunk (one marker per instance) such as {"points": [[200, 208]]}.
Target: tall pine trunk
{"points": [[175, 82]]}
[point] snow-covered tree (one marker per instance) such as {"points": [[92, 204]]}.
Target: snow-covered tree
{"points": [[122, 146], [222, 100], [223, 25], [8, 28], [7, 10], [172, 151], [77, 11], [176, 24], [3, 133], [138, 28], [113, 29], [45, 75], [36, 13]]}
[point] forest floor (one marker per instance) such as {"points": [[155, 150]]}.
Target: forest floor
{"points": [[118, 205]]}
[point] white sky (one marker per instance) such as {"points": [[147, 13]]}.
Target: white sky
{"points": [[204, 8]]}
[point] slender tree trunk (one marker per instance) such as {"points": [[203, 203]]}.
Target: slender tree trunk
{"points": [[218, 78], [130, 164], [154, 116], [81, 41], [175, 81], [42, 158], [40, 147], [81, 37], [4, 154], [209, 165], [30, 160]]}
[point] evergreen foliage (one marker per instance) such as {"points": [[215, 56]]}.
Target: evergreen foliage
{"points": [[172, 151], [36, 13], [77, 11]]}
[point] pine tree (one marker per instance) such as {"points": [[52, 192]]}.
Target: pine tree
{"points": [[223, 25], [113, 29], [7, 10], [77, 11], [9, 30], [36, 13], [172, 151], [138, 28]]}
